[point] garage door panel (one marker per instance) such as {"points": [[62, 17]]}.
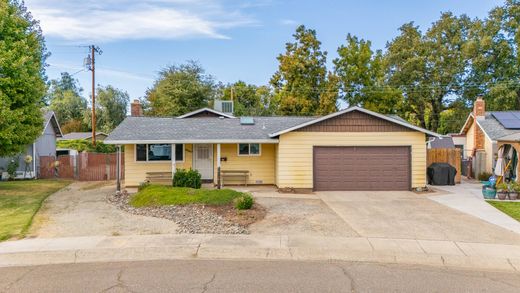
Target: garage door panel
{"points": [[362, 168]]}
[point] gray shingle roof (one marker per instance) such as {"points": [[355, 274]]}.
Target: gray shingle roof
{"points": [[79, 135], [442, 143], [494, 129], [199, 129]]}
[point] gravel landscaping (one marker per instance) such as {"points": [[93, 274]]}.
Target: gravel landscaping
{"points": [[194, 219]]}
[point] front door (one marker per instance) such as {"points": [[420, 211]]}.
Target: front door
{"points": [[203, 160]]}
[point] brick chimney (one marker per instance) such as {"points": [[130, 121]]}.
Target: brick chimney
{"points": [[479, 111], [479, 108], [136, 109]]}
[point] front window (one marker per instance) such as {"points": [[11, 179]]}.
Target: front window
{"points": [[248, 149], [158, 152]]}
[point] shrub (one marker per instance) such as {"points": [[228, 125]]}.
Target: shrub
{"points": [[82, 145], [143, 185], [484, 176], [502, 186], [187, 178], [244, 202], [12, 167]]}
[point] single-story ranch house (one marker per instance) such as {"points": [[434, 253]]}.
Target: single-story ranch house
{"points": [[353, 149]]}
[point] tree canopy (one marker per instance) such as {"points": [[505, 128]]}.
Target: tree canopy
{"points": [[179, 90], [22, 77]]}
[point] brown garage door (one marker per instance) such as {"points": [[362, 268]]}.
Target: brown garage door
{"points": [[362, 168]]}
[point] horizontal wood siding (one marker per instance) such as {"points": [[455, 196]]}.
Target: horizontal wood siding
{"points": [[355, 121], [261, 168], [135, 172], [294, 165]]}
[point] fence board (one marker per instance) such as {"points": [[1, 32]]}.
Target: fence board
{"points": [[450, 156]]}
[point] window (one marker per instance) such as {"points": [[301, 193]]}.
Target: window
{"points": [[249, 149], [158, 152]]}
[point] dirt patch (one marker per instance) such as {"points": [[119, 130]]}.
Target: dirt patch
{"points": [[243, 218]]}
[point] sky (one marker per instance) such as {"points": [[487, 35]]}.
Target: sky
{"points": [[232, 40]]}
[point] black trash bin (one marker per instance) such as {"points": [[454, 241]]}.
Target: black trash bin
{"points": [[441, 174]]}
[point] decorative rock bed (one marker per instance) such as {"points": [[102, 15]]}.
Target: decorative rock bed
{"points": [[193, 219]]}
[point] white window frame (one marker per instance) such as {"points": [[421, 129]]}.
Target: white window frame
{"points": [[249, 154], [161, 161]]}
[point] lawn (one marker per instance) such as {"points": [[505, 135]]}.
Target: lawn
{"points": [[20, 201], [157, 195], [510, 208]]}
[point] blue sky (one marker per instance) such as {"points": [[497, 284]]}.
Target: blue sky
{"points": [[232, 40]]}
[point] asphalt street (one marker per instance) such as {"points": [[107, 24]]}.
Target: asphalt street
{"points": [[250, 276]]}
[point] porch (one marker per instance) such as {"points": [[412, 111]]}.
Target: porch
{"points": [[229, 163]]}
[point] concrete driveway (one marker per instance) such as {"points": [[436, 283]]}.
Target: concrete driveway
{"points": [[407, 215]]}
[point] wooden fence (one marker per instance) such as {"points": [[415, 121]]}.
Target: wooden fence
{"points": [[450, 156], [83, 167]]}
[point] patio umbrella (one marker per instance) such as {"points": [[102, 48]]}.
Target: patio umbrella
{"points": [[499, 167]]}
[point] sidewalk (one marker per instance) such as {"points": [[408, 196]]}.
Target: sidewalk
{"points": [[467, 198], [41, 251]]}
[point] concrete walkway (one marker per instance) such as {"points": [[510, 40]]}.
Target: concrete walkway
{"points": [[467, 198], [39, 251]]}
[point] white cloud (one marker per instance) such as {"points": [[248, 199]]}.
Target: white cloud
{"points": [[289, 22], [110, 20]]}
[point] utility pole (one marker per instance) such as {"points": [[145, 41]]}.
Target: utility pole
{"points": [[90, 62]]}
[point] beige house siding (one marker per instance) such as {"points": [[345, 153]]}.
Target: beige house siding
{"points": [[470, 141], [261, 168], [135, 172], [295, 151]]}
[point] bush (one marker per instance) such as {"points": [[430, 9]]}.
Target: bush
{"points": [[12, 167], [142, 186], [82, 145], [187, 178], [484, 176], [244, 202]]}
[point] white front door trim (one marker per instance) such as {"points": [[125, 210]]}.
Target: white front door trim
{"points": [[203, 160]]}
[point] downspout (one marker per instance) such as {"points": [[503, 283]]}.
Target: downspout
{"points": [[34, 160]]}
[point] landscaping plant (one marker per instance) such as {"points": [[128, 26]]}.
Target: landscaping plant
{"points": [[187, 178], [514, 191], [12, 167], [244, 202], [502, 190], [484, 176]]}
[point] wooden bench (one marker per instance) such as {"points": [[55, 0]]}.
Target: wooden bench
{"points": [[159, 178], [243, 174]]}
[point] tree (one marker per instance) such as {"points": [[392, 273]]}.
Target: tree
{"points": [[301, 75], [428, 68], [361, 73], [111, 107], [493, 51], [22, 77], [64, 98], [249, 100], [329, 96], [179, 90]]}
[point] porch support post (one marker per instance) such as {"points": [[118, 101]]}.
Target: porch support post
{"points": [[174, 159], [118, 168], [218, 166]]}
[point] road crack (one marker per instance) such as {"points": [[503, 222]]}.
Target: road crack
{"points": [[206, 285], [353, 284]]}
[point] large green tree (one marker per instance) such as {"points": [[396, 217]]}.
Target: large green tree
{"points": [[428, 68], [22, 77], [361, 73], [249, 100], [111, 108], [301, 75], [180, 89], [493, 51]]}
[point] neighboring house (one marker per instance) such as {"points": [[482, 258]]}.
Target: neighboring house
{"points": [[45, 145], [100, 136], [485, 131], [459, 140], [443, 142], [353, 149]]}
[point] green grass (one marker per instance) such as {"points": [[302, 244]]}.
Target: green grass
{"points": [[510, 208], [20, 201], [157, 195]]}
